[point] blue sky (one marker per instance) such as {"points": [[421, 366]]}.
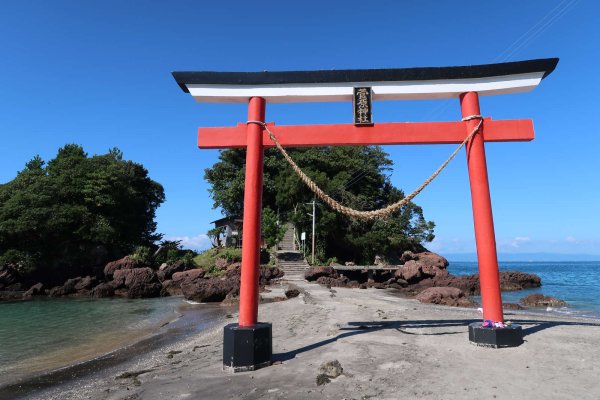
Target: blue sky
{"points": [[98, 74]]}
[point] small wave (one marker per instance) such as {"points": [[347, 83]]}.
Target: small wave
{"points": [[192, 302]]}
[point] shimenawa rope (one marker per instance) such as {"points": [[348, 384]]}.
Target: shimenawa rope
{"points": [[366, 215]]}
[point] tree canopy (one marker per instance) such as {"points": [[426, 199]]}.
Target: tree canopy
{"points": [[355, 176], [76, 212]]}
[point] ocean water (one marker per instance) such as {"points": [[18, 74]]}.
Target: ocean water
{"points": [[45, 334], [577, 283]]}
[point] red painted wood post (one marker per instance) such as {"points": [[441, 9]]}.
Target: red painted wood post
{"points": [[485, 239], [252, 214]]}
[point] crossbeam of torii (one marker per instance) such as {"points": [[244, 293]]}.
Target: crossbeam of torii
{"points": [[248, 344]]}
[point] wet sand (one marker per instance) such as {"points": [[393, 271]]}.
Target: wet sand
{"points": [[191, 321], [389, 347]]}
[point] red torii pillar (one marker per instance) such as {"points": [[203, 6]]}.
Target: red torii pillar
{"points": [[247, 345]]}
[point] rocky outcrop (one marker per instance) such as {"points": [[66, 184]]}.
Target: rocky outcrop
{"points": [[132, 277], [103, 290], [197, 286], [78, 287], [515, 280], [423, 265], [36, 290], [509, 281], [145, 290], [314, 273], [166, 271], [417, 273], [209, 290], [123, 263], [267, 274], [539, 300], [138, 282], [448, 296], [10, 278]]}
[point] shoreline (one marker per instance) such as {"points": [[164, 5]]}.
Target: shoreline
{"points": [[191, 320], [390, 347]]}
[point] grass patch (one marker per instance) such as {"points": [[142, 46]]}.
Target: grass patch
{"points": [[206, 260]]}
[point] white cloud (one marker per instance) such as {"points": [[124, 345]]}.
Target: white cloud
{"points": [[571, 239], [198, 242]]}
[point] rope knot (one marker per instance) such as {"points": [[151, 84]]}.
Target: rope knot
{"points": [[252, 121], [474, 116]]}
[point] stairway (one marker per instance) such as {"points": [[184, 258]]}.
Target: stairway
{"points": [[287, 243], [290, 261]]}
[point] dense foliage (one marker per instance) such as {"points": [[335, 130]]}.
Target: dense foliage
{"points": [[76, 212], [355, 176]]}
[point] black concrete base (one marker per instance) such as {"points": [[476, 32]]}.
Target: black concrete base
{"points": [[511, 336], [247, 348]]}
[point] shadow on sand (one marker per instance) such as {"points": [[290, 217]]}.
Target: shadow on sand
{"points": [[530, 327]]}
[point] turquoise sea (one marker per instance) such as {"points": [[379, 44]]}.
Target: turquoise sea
{"points": [[577, 283], [45, 334]]}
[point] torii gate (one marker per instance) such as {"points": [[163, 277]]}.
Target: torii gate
{"points": [[247, 345]]}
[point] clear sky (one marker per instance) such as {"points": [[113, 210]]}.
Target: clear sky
{"points": [[99, 74]]}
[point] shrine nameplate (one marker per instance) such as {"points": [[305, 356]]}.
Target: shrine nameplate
{"points": [[363, 106]]}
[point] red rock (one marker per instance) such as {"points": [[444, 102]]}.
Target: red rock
{"points": [[133, 277], [191, 275], [332, 282], [86, 283], [512, 306], [515, 280], [209, 290], [410, 272], [142, 290], [314, 273], [123, 263], [449, 296], [166, 271], [103, 290], [35, 290], [539, 300]]}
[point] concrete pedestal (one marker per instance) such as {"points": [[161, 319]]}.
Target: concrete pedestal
{"points": [[247, 348], [510, 336]]}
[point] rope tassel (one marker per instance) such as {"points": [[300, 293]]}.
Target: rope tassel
{"points": [[375, 214]]}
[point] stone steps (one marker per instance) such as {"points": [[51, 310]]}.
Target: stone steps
{"points": [[293, 264]]}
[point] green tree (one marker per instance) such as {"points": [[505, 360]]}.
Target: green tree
{"points": [[77, 212], [272, 231], [355, 176]]}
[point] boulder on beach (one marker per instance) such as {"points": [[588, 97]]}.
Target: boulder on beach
{"points": [[123, 263], [166, 271], [145, 290], [539, 300], [213, 289], [138, 282], [74, 287], [314, 273], [36, 290], [515, 280], [418, 266], [332, 282], [132, 277], [448, 296], [291, 293], [103, 290], [196, 285]]}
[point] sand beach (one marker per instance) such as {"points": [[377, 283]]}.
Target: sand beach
{"points": [[388, 347]]}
